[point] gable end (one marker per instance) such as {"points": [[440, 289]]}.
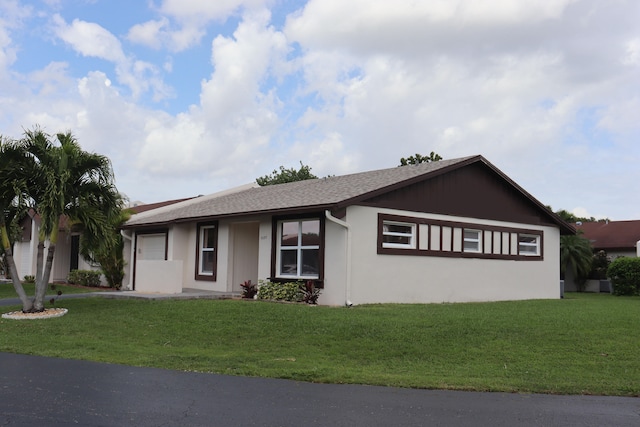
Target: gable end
{"points": [[473, 191]]}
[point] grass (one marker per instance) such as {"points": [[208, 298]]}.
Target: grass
{"points": [[584, 344], [7, 290]]}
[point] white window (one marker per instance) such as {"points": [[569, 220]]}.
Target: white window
{"points": [[207, 242], [472, 240], [528, 244], [299, 249], [398, 235]]}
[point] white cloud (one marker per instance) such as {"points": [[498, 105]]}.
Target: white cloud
{"points": [[148, 33], [547, 91], [12, 15], [89, 39], [184, 22], [201, 10], [235, 120], [516, 81]]}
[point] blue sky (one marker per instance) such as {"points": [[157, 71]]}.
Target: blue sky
{"points": [[190, 97]]}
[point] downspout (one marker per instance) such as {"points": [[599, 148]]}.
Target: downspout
{"points": [[131, 256], [347, 290]]}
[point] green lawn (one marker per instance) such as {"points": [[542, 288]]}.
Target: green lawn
{"points": [[584, 344], [7, 291]]}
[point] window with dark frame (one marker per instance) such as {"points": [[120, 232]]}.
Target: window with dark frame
{"points": [[206, 259], [299, 248], [528, 244], [472, 241], [398, 235]]}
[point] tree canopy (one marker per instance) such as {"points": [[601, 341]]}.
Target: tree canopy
{"points": [[572, 218], [286, 175], [419, 158], [54, 177]]}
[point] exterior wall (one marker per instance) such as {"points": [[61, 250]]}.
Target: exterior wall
{"points": [[428, 279], [159, 276], [25, 256], [336, 272], [128, 261], [24, 252], [22, 255], [181, 250], [186, 234], [264, 249], [243, 252], [617, 254]]}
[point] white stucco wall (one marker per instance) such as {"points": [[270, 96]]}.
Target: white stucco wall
{"points": [[264, 249], [159, 276], [427, 279], [335, 265], [128, 263]]}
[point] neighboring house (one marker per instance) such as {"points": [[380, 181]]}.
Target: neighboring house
{"points": [[616, 238], [447, 231], [67, 256]]}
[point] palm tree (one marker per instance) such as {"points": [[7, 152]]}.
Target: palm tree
{"points": [[576, 254], [107, 252], [13, 185], [66, 181]]}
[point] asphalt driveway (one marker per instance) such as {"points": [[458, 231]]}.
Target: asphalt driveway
{"points": [[57, 392]]}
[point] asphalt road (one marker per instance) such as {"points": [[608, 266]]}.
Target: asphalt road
{"points": [[56, 392]]}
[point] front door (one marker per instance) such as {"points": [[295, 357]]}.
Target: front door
{"points": [[244, 261]]}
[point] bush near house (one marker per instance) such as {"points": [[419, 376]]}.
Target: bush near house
{"points": [[89, 278], [279, 291], [290, 291], [625, 276]]}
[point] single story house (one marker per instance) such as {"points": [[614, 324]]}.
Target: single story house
{"points": [[616, 238], [67, 256], [447, 231]]}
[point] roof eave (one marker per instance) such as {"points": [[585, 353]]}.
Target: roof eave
{"points": [[280, 212]]}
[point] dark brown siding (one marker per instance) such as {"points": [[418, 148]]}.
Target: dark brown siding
{"points": [[473, 191]]}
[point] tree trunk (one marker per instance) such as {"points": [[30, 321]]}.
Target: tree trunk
{"points": [[41, 286], [27, 304], [39, 260]]}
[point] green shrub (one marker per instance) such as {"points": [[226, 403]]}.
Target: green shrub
{"points": [[308, 291], [625, 276], [279, 291], [89, 278], [29, 279]]}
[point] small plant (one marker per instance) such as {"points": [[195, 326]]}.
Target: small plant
{"points": [[625, 276], [29, 279], [276, 291], [309, 292], [88, 278], [249, 290]]}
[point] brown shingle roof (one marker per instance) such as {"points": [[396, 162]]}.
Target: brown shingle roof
{"points": [[313, 195], [612, 235], [149, 206]]}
